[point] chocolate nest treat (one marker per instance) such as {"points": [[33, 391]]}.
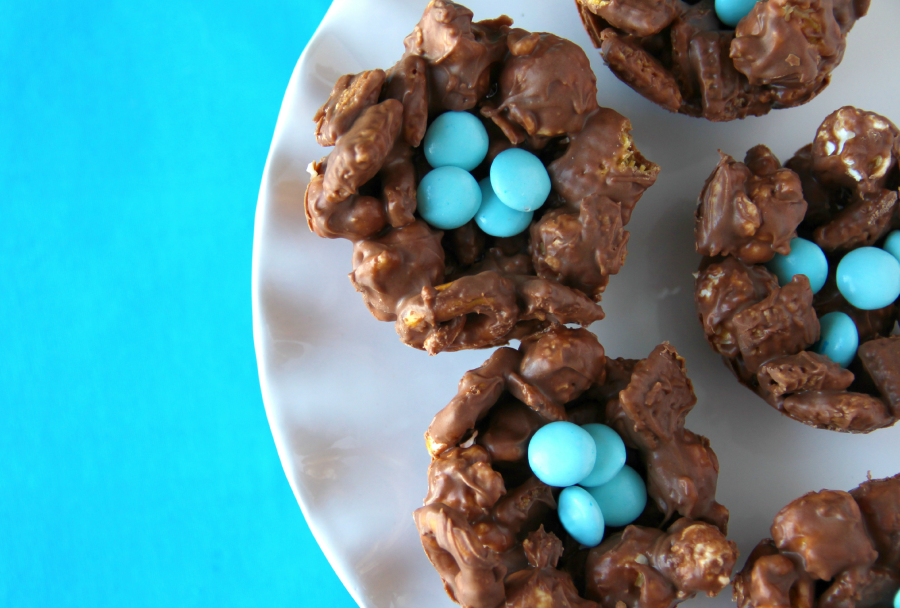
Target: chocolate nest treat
{"points": [[491, 528], [829, 549], [702, 59], [798, 285], [461, 288]]}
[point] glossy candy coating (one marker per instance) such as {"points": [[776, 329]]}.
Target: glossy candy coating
{"points": [[448, 197], [581, 516], [456, 139], [805, 258], [623, 498], [892, 244], [897, 599], [839, 338], [610, 455], [520, 179], [730, 12], [497, 219], [561, 454], [869, 278]]}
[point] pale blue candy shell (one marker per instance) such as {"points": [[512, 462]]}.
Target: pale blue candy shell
{"points": [[610, 455], [561, 454], [520, 179], [897, 600], [869, 278], [623, 498], [730, 12], [456, 139], [839, 338], [448, 197], [805, 258], [495, 218], [892, 244], [581, 516]]}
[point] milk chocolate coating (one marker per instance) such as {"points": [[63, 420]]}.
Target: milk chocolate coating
{"points": [[407, 83], [465, 289], [680, 56], [845, 182], [849, 542], [545, 89], [678, 545]]}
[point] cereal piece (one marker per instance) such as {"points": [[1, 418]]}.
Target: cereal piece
{"points": [[545, 89], [825, 529], [804, 371], [472, 573], [459, 53], [639, 69], [462, 479], [783, 323], [601, 160], [636, 17], [351, 94], [725, 93], [879, 359], [581, 247], [855, 149], [356, 217], [398, 180], [838, 410], [360, 153], [723, 290], [387, 269], [407, 83], [788, 43], [747, 212]]}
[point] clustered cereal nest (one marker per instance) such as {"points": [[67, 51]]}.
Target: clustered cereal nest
{"points": [[489, 526], [829, 549], [463, 289], [682, 57], [840, 192]]}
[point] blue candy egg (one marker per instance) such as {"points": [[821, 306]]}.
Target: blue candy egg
{"points": [[623, 498], [456, 139], [869, 278], [520, 179], [448, 197], [897, 600], [805, 258], [561, 454], [495, 218], [892, 244], [730, 12], [610, 455], [839, 338], [581, 516]]}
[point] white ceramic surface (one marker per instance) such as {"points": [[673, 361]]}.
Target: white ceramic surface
{"points": [[348, 403]]}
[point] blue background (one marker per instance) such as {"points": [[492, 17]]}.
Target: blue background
{"points": [[136, 463]]}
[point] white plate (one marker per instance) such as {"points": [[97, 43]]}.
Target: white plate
{"points": [[348, 403]]}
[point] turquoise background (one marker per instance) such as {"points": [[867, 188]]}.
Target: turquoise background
{"points": [[136, 463]]}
